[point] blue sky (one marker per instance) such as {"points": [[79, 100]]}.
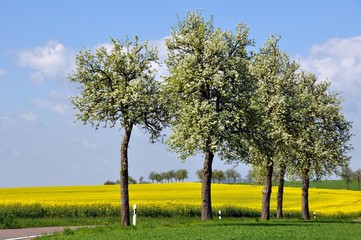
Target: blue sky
{"points": [[39, 142]]}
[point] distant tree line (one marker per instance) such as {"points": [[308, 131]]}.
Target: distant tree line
{"points": [[228, 176], [157, 177], [130, 181], [169, 176]]}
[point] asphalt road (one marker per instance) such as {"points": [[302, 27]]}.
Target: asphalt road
{"points": [[29, 233]]}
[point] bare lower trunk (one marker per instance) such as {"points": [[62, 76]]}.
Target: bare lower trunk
{"points": [[206, 186], [305, 187], [280, 193], [266, 192], [124, 178]]}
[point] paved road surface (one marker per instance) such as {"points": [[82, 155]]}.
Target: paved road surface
{"points": [[29, 233]]}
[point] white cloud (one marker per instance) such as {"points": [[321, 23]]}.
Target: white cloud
{"points": [[107, 46], [2, 72], [16, 152], [55, 104], [50, 61], [6, 122], [59, 108], [86, 144], [29, 117], [162, 48], [339, 61], [162, 54], [43, 103]]}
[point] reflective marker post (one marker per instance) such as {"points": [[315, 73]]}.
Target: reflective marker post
{"points": [[135, 214], [219, 214]]}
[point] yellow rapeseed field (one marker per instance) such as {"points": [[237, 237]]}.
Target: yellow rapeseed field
{"points": [[169, 199]]}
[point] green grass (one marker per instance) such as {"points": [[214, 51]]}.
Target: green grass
{"points": [[193, 228], [328, 184], [324, 184]]}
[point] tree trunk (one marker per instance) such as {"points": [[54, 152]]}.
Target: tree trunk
{"points": [[124, 178], [206, 186], [280, 192], [305, 187], [267, 190]]}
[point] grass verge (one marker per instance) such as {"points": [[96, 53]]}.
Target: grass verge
{"points": [[193, 228]]}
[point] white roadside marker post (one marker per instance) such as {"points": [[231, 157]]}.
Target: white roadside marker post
{"points": [[219, 214], [314, 214], [135, 214]]}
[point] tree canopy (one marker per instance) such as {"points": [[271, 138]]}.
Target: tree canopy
{"points": [[207, 86], [117, 86]]}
